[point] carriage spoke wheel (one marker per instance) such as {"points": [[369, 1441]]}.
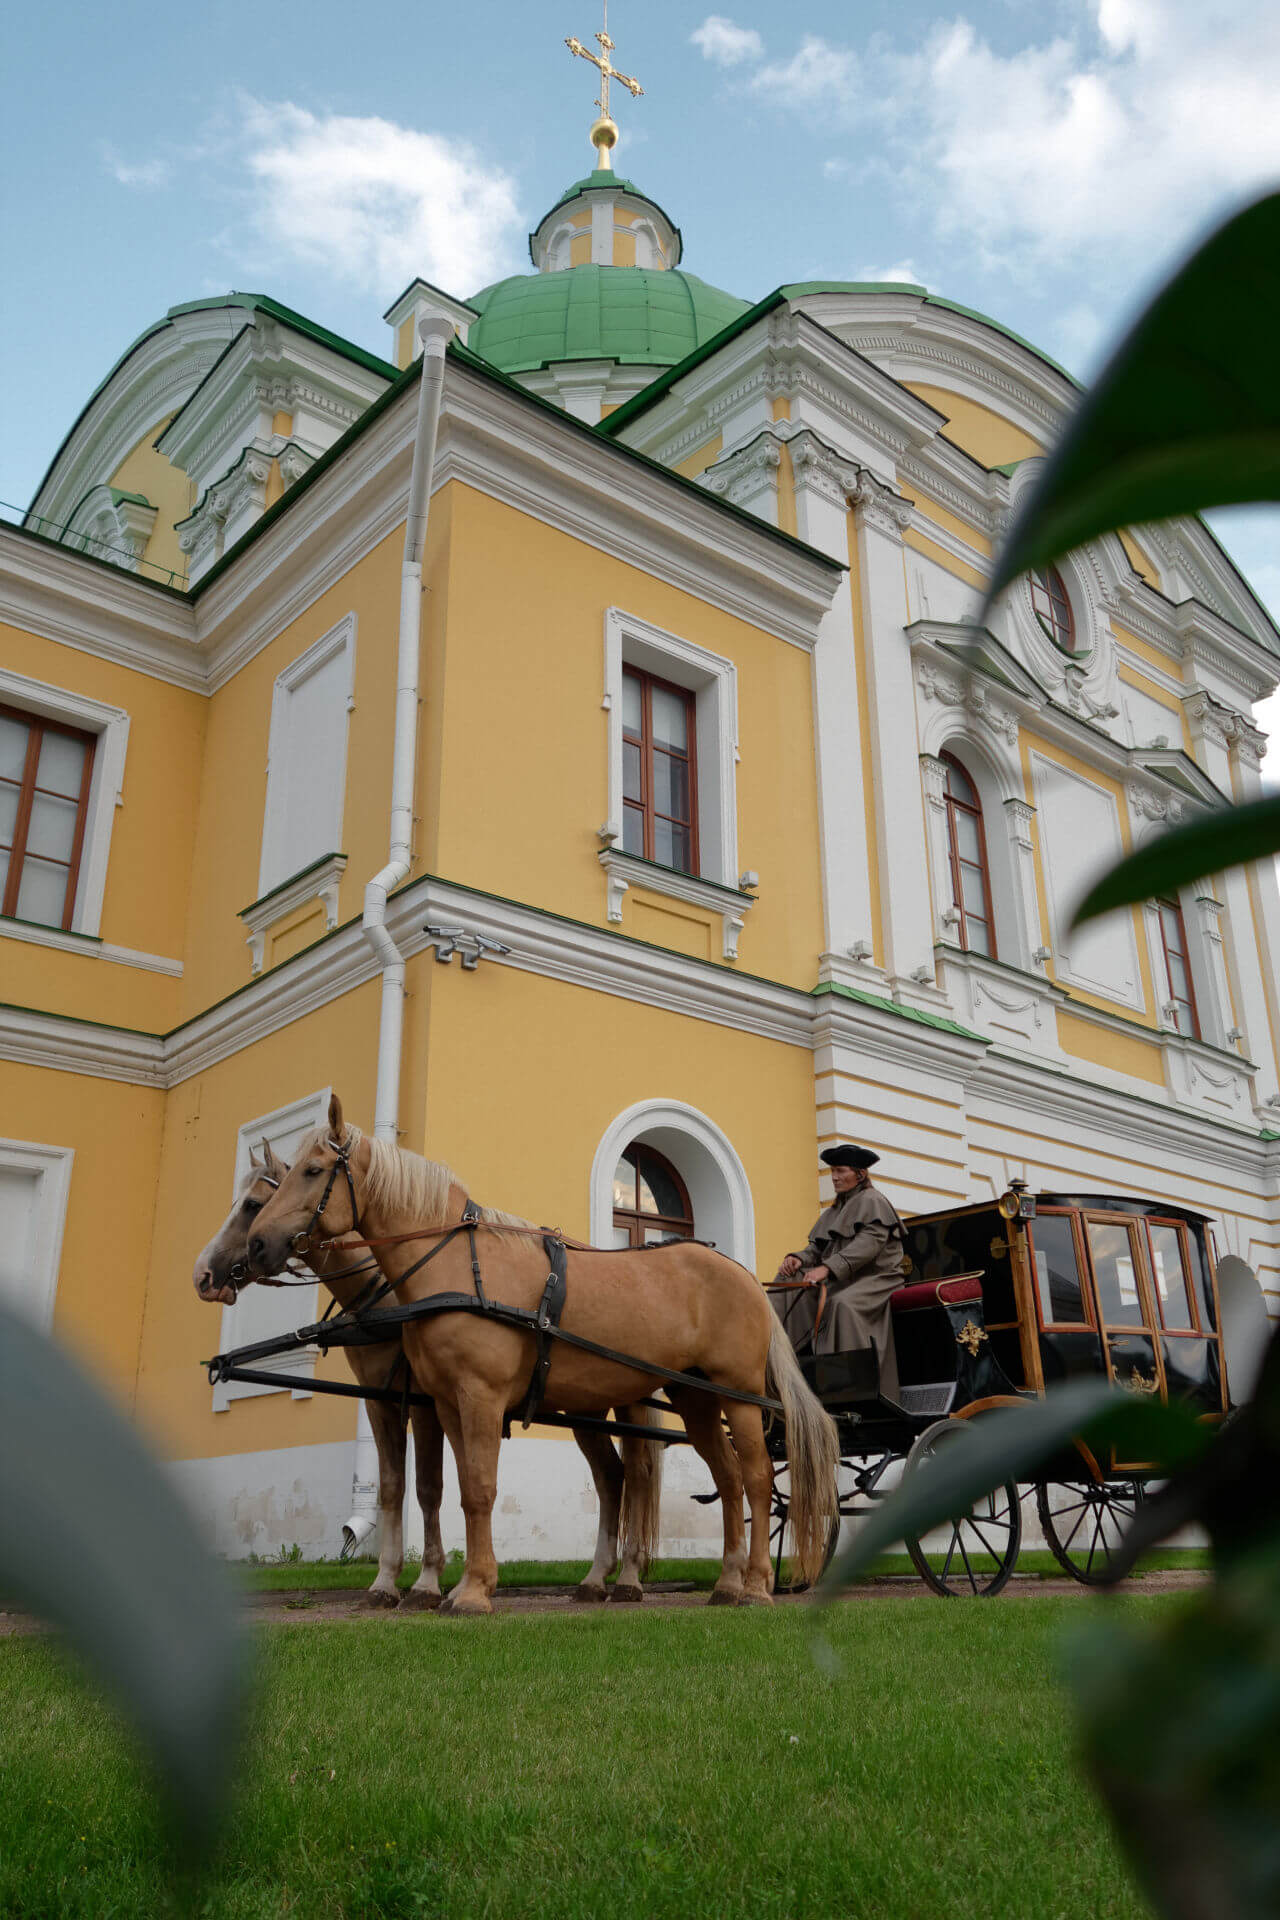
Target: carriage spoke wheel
{"points": [[850, 1475], [976, 1553], [1084, 1521]]}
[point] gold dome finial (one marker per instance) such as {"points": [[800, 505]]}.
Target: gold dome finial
{"points": [[604, 133]]}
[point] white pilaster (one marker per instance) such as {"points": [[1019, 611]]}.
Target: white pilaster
{"points": [[1257, 948], [822, 519], [601, 231], [946, 914], [906, 916], [1019, 818]]}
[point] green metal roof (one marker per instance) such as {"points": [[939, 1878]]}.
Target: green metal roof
{"points": [[645, 316]]}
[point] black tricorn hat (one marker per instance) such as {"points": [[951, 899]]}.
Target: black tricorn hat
{"points": [[849, 1157]]}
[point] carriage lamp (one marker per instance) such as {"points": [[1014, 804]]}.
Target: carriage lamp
{"points": [[1016, 1203], [355, 1532]]}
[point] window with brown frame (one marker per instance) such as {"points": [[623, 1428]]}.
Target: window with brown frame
{"points": [[1171, 1276], [1177, 966], [1052, 607], [967, 849], [45, 774], [659, 772], [1056, 1261], [650, 1200]]}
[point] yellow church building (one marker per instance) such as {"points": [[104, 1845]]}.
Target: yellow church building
{"points": [[713, 845]]}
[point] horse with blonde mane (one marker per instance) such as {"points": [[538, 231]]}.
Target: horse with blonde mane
{"points": [[629, 1490], [680, 1307]]}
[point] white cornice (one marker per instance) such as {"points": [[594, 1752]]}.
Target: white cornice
{"points": [[101, 610], [588, 957]]}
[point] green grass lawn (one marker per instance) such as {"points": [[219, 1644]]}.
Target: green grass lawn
{"points": [[606, 1764], [316, 1576]]}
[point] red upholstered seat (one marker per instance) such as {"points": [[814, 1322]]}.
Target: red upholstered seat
{"points": [[931, 1293]]}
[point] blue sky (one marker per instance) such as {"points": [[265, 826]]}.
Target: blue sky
{"points": [[1042, 160]]}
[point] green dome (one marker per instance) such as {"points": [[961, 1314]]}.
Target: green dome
{"points": [[647, 316]]}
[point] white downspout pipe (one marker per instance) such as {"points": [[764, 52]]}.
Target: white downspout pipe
{"points": [[435, 333]]}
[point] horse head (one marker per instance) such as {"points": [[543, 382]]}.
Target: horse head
{"points": [[317, 1200], [222, 1267]]}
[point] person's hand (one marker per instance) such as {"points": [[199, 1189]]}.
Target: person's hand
{"points": [[790, 1266], [817, 1274]]}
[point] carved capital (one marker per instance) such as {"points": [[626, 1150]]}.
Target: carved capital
{"points": [[879, 506], [743, 475]]}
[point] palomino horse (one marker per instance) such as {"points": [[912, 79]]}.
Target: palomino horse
{"points": [[629, 1490], [681, 1306]]}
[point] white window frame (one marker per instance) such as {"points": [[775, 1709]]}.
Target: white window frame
{"points": [[110, 725], [713, 681], [272, 867], [309, 1111], [52, 1168]]}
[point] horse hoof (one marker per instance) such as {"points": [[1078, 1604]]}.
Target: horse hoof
{"points": [[756, 1599], [377, 1599], [461, 1609], [719, 1598], [622, 1594], [590, 1596], [419, 1602]]}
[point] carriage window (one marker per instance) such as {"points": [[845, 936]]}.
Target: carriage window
{"points": [[1115, 1270], [1170, 1272], [1053, 1244], [650, 1202]]}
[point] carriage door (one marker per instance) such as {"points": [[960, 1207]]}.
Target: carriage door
{"points": [[1127, 1314]]}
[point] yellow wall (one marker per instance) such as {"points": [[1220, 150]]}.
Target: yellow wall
{"points": [[145, 904], [115, 1134], [943, 517], [146, 471], [524, 667], [335, 1046], [697, 462], [991, 439], [228, 837], [1139, 559], [1122, 1052]]}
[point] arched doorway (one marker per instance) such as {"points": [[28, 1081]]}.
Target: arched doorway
{"points": [[650, 1201], [716, 1193]]}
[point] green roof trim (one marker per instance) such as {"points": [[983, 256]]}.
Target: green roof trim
{"points": [[247, 300], [797, 290], [635, 316], [904, 1013], [118, 494], [456, 351]]}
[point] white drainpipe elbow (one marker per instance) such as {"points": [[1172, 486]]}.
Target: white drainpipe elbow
{"points": [[435, 333]]}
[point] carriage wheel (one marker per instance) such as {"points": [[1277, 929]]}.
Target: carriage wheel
{"points": [[977, 1552], [1084, 1522]]}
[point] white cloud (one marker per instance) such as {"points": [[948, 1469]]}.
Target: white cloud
{"points": [[146, 173], [726, 43], [1121, 132], [902, 272], [377, 203]]}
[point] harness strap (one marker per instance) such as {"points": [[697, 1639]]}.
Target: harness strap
{"points": [[550, 1307]]}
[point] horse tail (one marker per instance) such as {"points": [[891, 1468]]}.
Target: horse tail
{"points": [[813, 1455], [641, 1489]]}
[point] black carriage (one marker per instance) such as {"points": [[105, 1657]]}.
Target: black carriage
{"points": [[1000, 1301]]}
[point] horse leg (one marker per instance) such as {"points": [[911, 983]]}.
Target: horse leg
{"points": [[747, 1429], [701, 1415], [428, 1458], [606, 1471], [389, 1432], [641, 1501], [474, 1428]]}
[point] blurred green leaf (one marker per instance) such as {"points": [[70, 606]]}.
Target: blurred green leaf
{"points": [[1226, 838], [1181, 1726], [96, 1542], [1014, 1443], [1186, 413]]}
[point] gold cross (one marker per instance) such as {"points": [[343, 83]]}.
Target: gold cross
{"points": [[608, 71]]}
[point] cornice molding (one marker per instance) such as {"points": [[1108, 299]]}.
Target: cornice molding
{"points": [[59, 594]]}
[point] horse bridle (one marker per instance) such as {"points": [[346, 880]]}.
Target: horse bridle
{"points": [[301, 1242]]}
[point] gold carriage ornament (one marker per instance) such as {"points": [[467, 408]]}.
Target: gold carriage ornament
{"points": [[971, 1335]]}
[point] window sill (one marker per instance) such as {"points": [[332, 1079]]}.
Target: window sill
{"points": [[90, 946], [319, 881], [626, 870], [999, 999]]}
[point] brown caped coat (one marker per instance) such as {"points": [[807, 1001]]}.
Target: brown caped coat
{"points": [[859, 1239]]}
